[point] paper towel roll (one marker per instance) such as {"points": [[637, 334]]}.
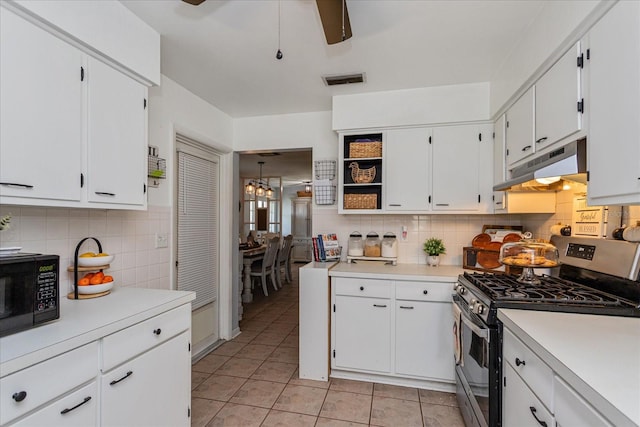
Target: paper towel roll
{"points": [[556, 230]]}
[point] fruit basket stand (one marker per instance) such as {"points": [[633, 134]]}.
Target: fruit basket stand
{"points": [[76, 269]]}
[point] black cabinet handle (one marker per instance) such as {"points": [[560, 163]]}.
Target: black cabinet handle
{"points": [[15, 184], [86, 399], [533, 412], [128, 374], [539, 140], [406, 307], [102, 193], [395, 204], [442, 204], [520, 362], [525, 148], [380, 305], [19, 397], [157, 331], [362, 288], [425, 292]]}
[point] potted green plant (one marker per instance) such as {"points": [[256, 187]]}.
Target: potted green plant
{"points": [[434, 247]]}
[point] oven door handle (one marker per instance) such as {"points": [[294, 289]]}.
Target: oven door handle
{"points": [[481, 332]]}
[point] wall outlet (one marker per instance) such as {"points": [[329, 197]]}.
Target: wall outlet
{"points": [[162, 240]]}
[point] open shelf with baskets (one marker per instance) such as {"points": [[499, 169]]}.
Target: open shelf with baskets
{"points": [[361, 172]]}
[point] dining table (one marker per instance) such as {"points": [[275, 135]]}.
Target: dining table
{"points": [[249, 256]]}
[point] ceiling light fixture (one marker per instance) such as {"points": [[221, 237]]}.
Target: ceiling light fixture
{"points": [[279, 54], [256, 186], [307, 186]]}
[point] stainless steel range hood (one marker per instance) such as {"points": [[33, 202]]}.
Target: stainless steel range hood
{"points": [[568, 162]]}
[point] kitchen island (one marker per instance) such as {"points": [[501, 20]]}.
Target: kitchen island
{"points": [[595, 362], [123, 358]]}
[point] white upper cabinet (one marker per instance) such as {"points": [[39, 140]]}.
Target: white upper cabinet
{"points": [[520, 132], [407, 159], [41, 114], [613, 71], [459, 155], [558, 100], [117, 132]]}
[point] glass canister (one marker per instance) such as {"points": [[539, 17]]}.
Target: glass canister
{"points": [[372, 245], [356, 247], [389, 246]]}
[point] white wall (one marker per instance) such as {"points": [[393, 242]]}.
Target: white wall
{"points": [[174, 109], [557, 21], [412, 107]]}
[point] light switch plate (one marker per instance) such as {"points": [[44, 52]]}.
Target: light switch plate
{"points": [[162, 240]]}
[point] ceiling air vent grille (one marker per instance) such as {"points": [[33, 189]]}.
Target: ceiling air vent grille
{"points": [[343, 79]]}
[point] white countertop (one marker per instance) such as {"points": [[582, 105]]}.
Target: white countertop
{"points": [[599, 356], [84, 321], [380, 270]]}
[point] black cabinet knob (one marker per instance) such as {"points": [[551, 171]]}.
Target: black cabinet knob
{"points": [[425, 292], [520, 362], [19, 397], [362, 288], [157, 331]]}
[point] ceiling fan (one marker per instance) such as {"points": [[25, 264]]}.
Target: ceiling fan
{"points": [[334, 17]]}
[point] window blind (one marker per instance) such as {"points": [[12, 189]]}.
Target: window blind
{"points": [[197, 222]]}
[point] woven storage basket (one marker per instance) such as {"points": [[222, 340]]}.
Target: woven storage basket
{"points": [[361, 201], [362, 176], [358, 150]]}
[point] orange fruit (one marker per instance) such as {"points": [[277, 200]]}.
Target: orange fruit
{"points": [[96, 280], [99, 274], [107, 279], [83, 282], [88, 275]]}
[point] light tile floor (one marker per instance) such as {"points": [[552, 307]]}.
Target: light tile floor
{"points": [[253, 381]]}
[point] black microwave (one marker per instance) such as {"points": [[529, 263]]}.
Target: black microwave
{"points": [[29, 291]]}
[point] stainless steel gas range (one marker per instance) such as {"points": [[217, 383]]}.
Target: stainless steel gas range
{"points": [[596, 276]]}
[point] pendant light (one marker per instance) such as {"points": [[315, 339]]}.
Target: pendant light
{"points": [[257, 187], [279, 54]]}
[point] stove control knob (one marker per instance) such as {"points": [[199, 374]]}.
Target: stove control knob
{"points": [[479, 309], [461, 290]]}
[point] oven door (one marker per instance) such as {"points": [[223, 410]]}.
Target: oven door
{"points": [[475, 368]]}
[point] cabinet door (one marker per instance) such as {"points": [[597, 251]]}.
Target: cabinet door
{"points": [[79, 409], [117, 137], [407, 165], [613, 105], [557, 97], [301, 221], [520, 131], [571, 410], [520, 407], [152, 389], [499, 162], [423, 342], [40, 112], [456, 167], [362, 333]]}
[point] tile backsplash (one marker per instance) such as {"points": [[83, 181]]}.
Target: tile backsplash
{"points": [[129, 235], [457, 231]]}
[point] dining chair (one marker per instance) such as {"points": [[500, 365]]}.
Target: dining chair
{"points": [[284, 260], [267, 266]]}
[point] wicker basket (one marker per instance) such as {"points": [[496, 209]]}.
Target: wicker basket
{"points": [[361, 201], [362, 176], [359, 150]]}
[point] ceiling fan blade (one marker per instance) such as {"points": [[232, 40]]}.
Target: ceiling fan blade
{"points": [[194, 2], [331, 15]]}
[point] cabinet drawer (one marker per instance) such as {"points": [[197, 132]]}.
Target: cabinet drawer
{"points": [[520, 407], [46, 381], [123, 345], [572, 410], [77, 409], [534, 372], [363, 287], [424, 291]]}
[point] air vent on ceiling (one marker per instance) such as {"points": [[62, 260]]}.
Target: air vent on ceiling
{"points": [[343, 79], [271, 154]]}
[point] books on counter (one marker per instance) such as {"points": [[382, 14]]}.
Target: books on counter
{"points": [[326, 247]]}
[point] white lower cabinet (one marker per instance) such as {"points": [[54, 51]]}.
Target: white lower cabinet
{"points": [[520, 406], [571, 410], [362, 339], [397, 329], [77, 409], [151, 389]]}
